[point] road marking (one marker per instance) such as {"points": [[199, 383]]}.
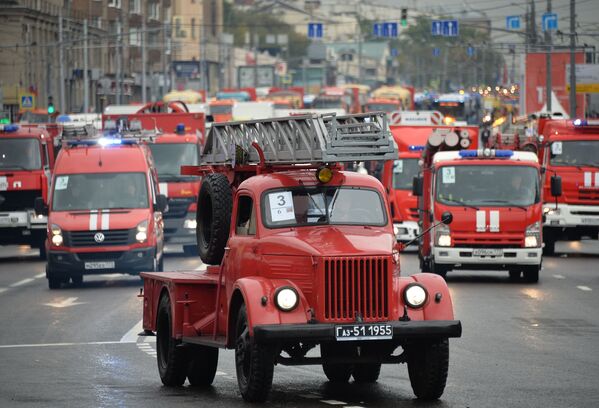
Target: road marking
{"points": [[89, 343], [132, 334], [21, 282], [40, 275], [68, 302], [2, 290], [333, 402], [559, 276], [584, 288], [220, 373], [311, 396]]}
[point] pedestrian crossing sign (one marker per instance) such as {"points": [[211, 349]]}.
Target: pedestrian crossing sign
{"points": [[27, 101]]}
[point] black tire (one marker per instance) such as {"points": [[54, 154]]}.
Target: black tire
{"points": [[77, 280], [254, 363], [366, 373], [213, 218], [190, 250], [437, 269], [42, 248], [202, 365], [172, 360], [531, 273], [515, 274], [428, 365], [549, 248], [160, 267], [336, 372], [54, 280]]}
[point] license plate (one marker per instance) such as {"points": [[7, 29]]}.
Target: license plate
{"points": [[487, 252], [99, 265], [354, 332], [590, 221]]}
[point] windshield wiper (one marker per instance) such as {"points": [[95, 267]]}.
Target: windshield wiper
{"points": [[312, 199], [504, 202], [451, 200]]}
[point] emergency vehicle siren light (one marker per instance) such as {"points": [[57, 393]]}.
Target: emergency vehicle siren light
{"points": [[9, 128], [504, 154], [585, 122], [416, 148]]}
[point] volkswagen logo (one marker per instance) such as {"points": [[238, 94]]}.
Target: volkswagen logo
{"points": [[99, 237]]}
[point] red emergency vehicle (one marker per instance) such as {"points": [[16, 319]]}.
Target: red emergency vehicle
{"points": [[495, 198], [26, 160], [382, 105], [104, 210], [300, 255], [569, 150], [338, 98]]}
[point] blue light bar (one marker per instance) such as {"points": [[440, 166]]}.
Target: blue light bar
{"points": [[504, 153], [579, 122], [415, 148], [106, 141], [468, 153], [9, 128], [180, 129]]}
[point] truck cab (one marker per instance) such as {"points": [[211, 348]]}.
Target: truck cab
{"points": [[26, 160], [105, 213], [300, 255]]}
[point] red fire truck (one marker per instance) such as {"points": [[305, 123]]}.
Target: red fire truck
{"points": [[569, 150], [104, 208], [301, 254], [26, 160], [178, 143], [496, 202]]}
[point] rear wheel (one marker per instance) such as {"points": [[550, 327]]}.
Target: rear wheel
{"points": [[427, 366], [172, 361], [202, 365]]}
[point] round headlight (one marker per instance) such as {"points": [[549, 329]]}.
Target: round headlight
{"points": [[324, 174], [57, 240], [444, 240], [286, 298], [415, 295], [141, 236]]}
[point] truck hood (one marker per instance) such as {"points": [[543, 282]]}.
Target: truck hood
{"points": [[330, 241], [98, 220], [20, 180]]}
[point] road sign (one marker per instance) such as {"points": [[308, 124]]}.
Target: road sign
{"points": [[437, 27], [315, 30], [385, 29], [377, 29], [549, 22], [450, 28], [470, 51], [436, 52], [26, 101], [512, 22], [587, 78]]}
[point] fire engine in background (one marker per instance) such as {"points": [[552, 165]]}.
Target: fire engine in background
{"points": [[569, 150], [338, 98], [411, 130], [26, 161], [382, 105], [496, 201], [403, 96], [301, 255], [221, 110], [178, 144], [104, 208], [189, 97], [288, 98]]}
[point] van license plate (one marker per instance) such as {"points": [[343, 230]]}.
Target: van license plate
{"points": [[355, 332], [99, 265], [487, 252], [590, 221]]}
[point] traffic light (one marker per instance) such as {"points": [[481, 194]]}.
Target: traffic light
{"points": [[404, 17], [50, 105]]}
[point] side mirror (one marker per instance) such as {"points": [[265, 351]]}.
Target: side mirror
{"points": [[543, 170], [446, 218], [161, 203], [417, 183], [556, 186], [40, 206]]}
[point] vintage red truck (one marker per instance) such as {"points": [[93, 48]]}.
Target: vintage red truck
{"points": [[178, 143], [104, 212], [26, 161], [569, 151], [495, 198], [300, 254]]}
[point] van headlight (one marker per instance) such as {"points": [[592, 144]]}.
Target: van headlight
{"points": [[532, 235], [57, 239], [190, 224], [142, 232], [415, 295], [286, 298], [443, 236]]}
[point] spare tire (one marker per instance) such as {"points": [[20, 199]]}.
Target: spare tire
{"points": [[213, 217]]}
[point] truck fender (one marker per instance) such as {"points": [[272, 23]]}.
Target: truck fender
{"points": [[436, 287], [252, 291]]}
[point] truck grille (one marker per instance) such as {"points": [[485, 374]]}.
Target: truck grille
{"points": [[356, 285], [177, 207], [18, 200], [86, 238]]}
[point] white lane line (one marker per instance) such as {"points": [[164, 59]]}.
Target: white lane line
{"points": [[88, 343], [584, 288], [559, 276], [40, 275], [2, 290], [21, 282], [333, 402], [221, 373], [132, 335], [311, 396]]}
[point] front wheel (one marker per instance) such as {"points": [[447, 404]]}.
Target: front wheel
{"points": [[254, 363], [428, 365], [336, 372], [54, 281], [172, 361], [549, 248], [437, 269], [531, 273], [367, 373]]}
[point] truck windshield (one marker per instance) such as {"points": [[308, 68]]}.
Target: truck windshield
{"points": [[82, 192], [169, 157], [382, 107], [456, 110], [575, 153], [404, 171], [323, 205], [496, 186], [221, 109], [20, 154], [328, 103]]}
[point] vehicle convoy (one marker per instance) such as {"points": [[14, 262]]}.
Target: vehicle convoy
{"points": [[569, 150], [411, 130], [339, 99], [301, 254], [178, 144], [104, 208], [496, 201], [26, 160]]}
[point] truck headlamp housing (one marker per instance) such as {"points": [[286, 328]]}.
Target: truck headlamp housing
{"points": [[286, 298], [443, 236], [324, 174], [142, 232], [56, 232], [532, 235], [415, 295]]}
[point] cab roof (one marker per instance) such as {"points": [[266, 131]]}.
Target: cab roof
{"points": [[99, 159], [454, 156], [14, 131]]}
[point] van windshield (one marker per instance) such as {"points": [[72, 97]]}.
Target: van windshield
{"points": [[575, 153], [323, 205], [169, 157], [100, 191], [404, 171], [20, 154]]}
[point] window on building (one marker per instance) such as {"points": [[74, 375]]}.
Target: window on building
{"points": [[96, 21], [135, 37], [213, 16], [135, 6], [154, 10], [114, 3]]}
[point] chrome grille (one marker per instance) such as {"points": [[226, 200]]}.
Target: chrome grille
{"points": [[86, 238]]}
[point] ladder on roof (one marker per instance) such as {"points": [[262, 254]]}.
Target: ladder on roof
{"points": [[306, 139]]}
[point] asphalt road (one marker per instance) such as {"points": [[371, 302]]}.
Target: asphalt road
{"points": [[523, 345]]}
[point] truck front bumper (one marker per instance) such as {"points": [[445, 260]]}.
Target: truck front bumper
{"points": [[74, 263], [325, 332], [406, 231], [569, 216], [180, 230], [464, 257]]}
